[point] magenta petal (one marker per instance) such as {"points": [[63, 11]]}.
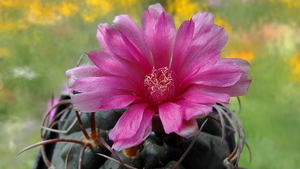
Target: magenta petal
{"points": [[171, 116], [205, 97], [243, 64], [207, 34], [224, 73], [133, 126], [201, 62], [129, 122], [188, 128], [143, 132], [193, 110], [102, 35], [181, 47], [91, 101], [196, 39], [118, 101], [103, 83], [241, 87], [202, 20], [82, 72], [128, 28], [111, 42], [238, 89], [133, 38], [116, 66], [159, 31]]}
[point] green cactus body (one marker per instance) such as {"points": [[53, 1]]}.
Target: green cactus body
{"points": [[158, 150]]}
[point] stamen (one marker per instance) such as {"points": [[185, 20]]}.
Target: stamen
{"points": [[159, 86]]}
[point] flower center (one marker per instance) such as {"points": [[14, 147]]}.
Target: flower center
{"points": [[159, 86]]}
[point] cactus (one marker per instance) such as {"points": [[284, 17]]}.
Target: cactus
{"points": [[170, 83], [73, 140]]}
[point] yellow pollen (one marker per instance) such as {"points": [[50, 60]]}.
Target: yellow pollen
{"points": [[159, 85]]}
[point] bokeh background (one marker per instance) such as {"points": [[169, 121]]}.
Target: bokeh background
{"points": [[41, 39]]}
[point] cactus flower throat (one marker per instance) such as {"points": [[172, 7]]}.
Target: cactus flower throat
{"points": [[159, 86]]}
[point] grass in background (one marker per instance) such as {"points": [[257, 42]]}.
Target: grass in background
{"points": [[270, 115], [39, 44]]}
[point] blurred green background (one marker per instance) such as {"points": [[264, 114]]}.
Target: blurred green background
{"points": [[41, 39]]}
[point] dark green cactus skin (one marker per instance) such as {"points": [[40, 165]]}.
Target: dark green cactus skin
{"points": [[155, 151], [89, 160]]}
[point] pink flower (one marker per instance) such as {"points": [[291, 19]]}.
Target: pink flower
{"points": [[65, 91], [156, 70], [50, 103]]}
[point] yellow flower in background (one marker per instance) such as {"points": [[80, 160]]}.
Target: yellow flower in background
{"points": [[7, 25], [9, 9], [4, 52], [127, 6], [295, 68], [13, 3], [49, 13], [244, 54], [96, 8], [288, 3], [183, 9], [125, 2], [42, 14], [68, 9], [16, 12]]}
